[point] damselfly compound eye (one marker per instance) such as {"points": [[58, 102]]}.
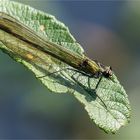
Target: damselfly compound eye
{"points": [[108, 72]]}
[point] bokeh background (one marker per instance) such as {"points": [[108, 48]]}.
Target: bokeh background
{"points": [[109, 31]]}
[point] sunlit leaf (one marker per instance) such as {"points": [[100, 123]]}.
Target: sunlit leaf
{"points": [[107, 106]]}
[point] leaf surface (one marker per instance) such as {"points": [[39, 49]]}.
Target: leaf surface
{"points": [[108, 106]]}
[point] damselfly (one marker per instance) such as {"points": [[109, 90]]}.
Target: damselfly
{"points": [[82, 64]]}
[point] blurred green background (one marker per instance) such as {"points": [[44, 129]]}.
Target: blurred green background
{"points": [[109, 31]]}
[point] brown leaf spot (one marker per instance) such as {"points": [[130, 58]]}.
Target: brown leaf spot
{"points": [[30, 56]]}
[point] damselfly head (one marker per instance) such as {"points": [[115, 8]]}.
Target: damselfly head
{"points": [[107, 72]]}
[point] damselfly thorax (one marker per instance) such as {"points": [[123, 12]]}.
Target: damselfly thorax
{"points": [[102, 70]]}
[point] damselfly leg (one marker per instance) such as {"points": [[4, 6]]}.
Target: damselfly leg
{"points": [[95, 90], [98, 75], [64, 69]]}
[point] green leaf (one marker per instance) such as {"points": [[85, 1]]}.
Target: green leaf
{"points": [[108, 106]]}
